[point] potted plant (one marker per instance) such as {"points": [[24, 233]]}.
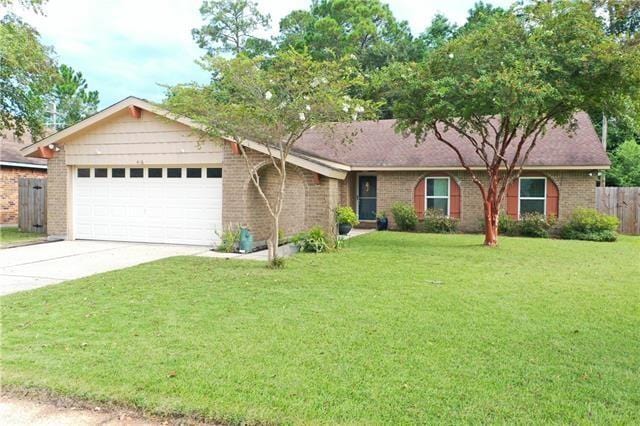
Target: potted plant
{"points": [[346, 219], [382, 223]]}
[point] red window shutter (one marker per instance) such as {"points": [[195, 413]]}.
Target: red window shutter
{"points": [[512, 199], [553, 196], [418, 198], [454, 199]]}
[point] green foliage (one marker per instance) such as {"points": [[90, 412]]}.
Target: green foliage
{"points": [[506, 225], [381, 215], [277, 262], [229, 239], [73, 101], [27, 74], [404, 216], [229, 28], [313, 241], [335, 28], [440, 31], [590, 225], [346, 215], [275, 104], [625, 165], [535, 225], [437, 223]]}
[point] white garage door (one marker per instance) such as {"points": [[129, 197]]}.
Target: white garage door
{"points": [[175, 205]]}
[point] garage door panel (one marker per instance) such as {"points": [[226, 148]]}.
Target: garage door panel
{"points": [[164, 210]]}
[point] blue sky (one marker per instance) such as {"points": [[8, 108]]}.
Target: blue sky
{"points": [[129, 47]]}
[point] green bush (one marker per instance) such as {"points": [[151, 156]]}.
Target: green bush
{"points": [[346, 215], [437, 223], [590, 225], [405, 216], [229, 239], [506, 225], [313, 241], [534, 225]]}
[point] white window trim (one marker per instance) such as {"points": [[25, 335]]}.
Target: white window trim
{"points": [[544, 198], [448, 197]]}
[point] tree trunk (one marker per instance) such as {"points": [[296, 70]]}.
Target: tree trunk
{"points": [[273, 241], [490, 224]]}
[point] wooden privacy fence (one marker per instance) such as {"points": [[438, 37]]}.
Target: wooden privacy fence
{"points": [[623, 203], [32, 204]]}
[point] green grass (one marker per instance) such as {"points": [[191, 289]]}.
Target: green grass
{"points": [[396, 328], [11, 235]]}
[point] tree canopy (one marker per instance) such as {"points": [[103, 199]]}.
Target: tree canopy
{"points": [[27, 74], [72, 100], [230, 27]]}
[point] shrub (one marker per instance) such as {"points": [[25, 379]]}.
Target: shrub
{"points": [[534, 225], [590, 225], [346, 215], [229, 239], [506, 225], [313, 241], [436, 222], [405, 216]]}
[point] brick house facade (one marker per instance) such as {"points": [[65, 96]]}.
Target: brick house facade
{"points": [[319, 179]]}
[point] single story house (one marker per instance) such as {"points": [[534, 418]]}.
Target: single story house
{"points": [[13, 166], [132, 172]]}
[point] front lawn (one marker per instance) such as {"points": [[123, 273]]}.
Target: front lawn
{"points": [[11, 235], [396, 328]]}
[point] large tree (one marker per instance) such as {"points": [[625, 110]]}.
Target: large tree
{"points": [[27, 72], [72, 100], [499, 86], [248, 102], [230, 27]]}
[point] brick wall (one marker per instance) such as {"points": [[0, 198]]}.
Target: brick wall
{"points": [[307, 203], [57, 195], [9, 191], [577, 189]]}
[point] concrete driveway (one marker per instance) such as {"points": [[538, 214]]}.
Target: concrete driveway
{"points": [[28, 267]]}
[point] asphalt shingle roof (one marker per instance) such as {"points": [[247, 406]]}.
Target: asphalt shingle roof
{"points": [[10, 147], [376, 144]]}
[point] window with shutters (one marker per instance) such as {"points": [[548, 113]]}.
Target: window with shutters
{"points": [[437, 194], [532, 195]]}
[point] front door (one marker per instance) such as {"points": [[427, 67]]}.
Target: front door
{"points": [[367, 197]]}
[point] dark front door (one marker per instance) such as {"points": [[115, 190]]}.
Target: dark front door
{"points": [[367, 197]]}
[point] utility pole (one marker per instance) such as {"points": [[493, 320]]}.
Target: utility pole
{"points": [[605, 128]]}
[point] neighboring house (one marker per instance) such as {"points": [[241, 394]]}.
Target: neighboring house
{"points": [[14, 165], [130, 172]]}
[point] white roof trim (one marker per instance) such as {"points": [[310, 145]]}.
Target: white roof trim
{"points": [[445, 168], [23, 165]]}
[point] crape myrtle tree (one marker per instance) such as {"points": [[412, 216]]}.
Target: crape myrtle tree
{"points": [[501, 85], [271, 102]]}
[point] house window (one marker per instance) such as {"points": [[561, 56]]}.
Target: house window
{"points": [[136, 173], [214, 173], [155, 172], [194, 173], [117, 173], [438, 194], [100, 173], [84, 173], [532, 196], [174, 172]]}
